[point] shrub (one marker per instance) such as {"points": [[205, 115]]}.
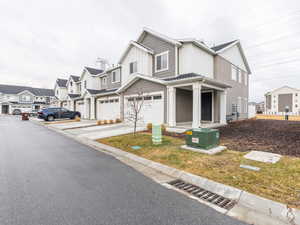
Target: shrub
{"points": [[163, 128], [105, 122], [77, 119], [111, 121], [99, 122], [118, 121]]}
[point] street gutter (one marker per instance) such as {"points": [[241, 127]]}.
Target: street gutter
{"points": [[250, 208]]}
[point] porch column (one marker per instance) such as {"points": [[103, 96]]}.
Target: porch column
{"points": [[171, 106], [86, 108], [196, 105], [72, 108], [223, 105], [92, 113]]}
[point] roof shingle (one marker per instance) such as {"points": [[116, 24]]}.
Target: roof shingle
{"points": [[14, 89], [61, 82], [93, 71], [221, 46]]}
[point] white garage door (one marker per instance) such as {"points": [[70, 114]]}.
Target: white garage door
{"points": [[80, 107], [152, 110], [108, 109]]}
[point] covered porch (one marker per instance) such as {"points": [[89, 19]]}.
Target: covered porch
{"points": [[197, 104]]}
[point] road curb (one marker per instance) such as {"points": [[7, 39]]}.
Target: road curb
{"points": [[248, 205]]}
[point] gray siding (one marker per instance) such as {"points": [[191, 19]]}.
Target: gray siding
{"points": [[109, 84], [148, 87], [285, 100], [222, 72], [216, 106], [184, 105], [158, 46]]}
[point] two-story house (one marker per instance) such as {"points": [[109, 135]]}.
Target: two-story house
{"points": [[17, 99], [60, 91], [282, 99], [185, 82]]}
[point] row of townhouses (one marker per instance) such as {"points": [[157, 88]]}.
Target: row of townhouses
{"points": [[184, 82], [16, 99]]}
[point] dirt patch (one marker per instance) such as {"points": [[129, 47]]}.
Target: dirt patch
{"points": [[281, 137]]}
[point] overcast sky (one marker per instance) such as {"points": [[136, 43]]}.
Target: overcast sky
{"points": [[43, 40]]}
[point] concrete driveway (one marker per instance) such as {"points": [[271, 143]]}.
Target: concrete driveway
{"points": [[49, 179], [103, 131]]}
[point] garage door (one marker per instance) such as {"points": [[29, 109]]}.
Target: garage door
{"points": [[108, 109], [151, 112], [80, 107]]}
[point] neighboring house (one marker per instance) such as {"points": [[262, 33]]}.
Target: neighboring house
{"points": [[260, 107], [60, 91], [24, 99], [278, 100], [184, 82]]}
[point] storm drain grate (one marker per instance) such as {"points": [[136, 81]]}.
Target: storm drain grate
{"points": [[203, 194]]}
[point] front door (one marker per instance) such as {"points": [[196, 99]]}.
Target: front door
{"points": [[206, 106]]}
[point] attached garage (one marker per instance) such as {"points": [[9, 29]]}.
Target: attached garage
{"points": [[152, 108], [108, 108], [80, 107]]}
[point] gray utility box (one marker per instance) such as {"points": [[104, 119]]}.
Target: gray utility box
{"points": [[203, 138]]}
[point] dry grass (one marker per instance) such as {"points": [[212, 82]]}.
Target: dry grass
{"points": [[276, 117], [279, 182]]}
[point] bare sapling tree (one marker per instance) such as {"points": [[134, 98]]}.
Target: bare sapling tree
{"points": [[134, 108]]}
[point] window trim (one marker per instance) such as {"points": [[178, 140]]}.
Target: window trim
{"points": [[133, 67], [117, 73], [234, 68], [155, 62], [104, 79]]}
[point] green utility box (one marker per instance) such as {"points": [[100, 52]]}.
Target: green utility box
{"points": [[203, 138]]}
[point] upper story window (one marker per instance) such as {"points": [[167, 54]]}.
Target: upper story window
{"points": [[84, 84], [71, 83], [162, 61], [239, 72], [104, 80], [25, 98], [56, 92], [115, 76], [133, 67], [234, 73]]}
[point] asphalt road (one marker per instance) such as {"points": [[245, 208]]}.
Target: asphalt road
{"points": [[48, 179]]}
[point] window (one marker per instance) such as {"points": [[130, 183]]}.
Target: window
{"points": [[71, 83], [132, 67], [104, 81], [239, 75], [156, 97], [115, 76], [84, 84], [162, 61], [233, 73], [57, 92], [147, 98]]}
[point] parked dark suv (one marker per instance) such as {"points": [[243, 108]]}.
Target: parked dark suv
{"points": [[50, 114]]}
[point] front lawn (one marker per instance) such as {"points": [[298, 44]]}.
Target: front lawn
{"points": [[279, 182]]}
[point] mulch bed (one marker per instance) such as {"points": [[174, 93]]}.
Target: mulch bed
{"points": [[281, 137]]}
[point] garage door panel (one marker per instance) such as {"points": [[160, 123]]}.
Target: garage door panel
{"points": [[108, 109], [152, 110]]}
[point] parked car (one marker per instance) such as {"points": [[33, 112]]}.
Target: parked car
{"points": [[50, 114], [17, 112]]}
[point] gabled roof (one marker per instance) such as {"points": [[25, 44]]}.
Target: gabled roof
{"points": [[139, 46], [103, 91], [198, 43], [61, 82], [222, 46], [136, 77], [159, 35], [13, 89], [93, 71], [74, 95], [285, 86], [75, 78]]}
